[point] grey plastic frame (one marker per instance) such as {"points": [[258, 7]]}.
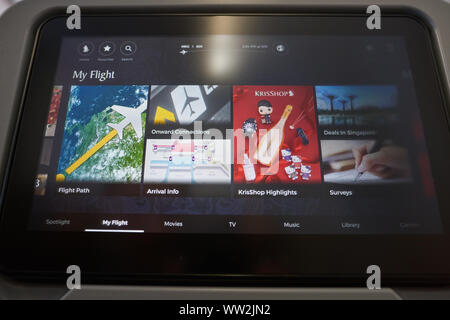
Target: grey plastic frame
{"points": [[18, 26]]}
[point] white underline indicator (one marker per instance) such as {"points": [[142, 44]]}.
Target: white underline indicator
{"points": [[112, 230]]}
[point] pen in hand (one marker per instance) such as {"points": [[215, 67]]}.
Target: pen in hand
{"points": [[375, 147]]}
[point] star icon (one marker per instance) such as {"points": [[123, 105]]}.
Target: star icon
{"points": [[107, 48]]}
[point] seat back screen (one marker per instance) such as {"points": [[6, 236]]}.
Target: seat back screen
{"points": [[234, 133]]}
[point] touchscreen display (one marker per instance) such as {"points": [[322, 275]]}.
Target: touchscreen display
{"points": [[276, 134]]}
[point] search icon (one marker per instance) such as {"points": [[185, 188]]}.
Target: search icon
{"points": [[128, 48]]}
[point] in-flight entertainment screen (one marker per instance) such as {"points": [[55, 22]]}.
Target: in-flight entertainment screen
{"points": [[234, 133]]}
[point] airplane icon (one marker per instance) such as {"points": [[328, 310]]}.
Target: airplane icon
{"points": [[185, 98], [132, 115], [188, 101]]}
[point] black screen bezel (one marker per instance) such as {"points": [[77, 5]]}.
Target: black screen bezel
{"points": [[401, 257]]}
